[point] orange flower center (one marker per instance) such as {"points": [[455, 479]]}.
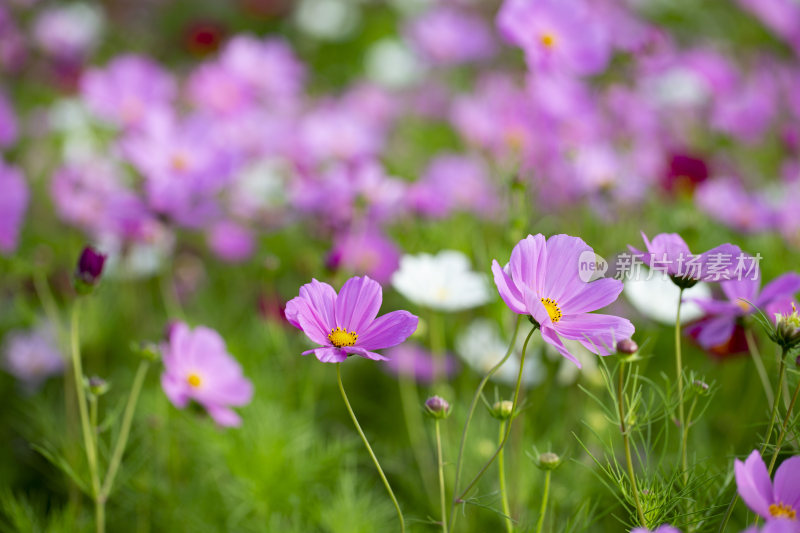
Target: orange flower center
{"points": [[552, 309], [341, 337], [548, 40], [781, 510]]}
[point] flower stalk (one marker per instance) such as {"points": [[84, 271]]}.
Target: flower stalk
{"points": [[369, 449], [624, 429]]}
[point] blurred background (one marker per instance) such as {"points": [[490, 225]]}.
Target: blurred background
{"points": [[224, 153]]}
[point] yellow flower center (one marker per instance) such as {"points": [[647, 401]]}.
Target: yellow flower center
{"points": [[180, 163], [552, 309], [341, 337], [744, 305], [781, 510], [548, 40], [194, 380]]}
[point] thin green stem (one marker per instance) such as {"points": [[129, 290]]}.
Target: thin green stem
{"points": [[778, 393], [124, 432], [626, 443], [514, 404], [442, 497], [88, 437], [475, 398], [752, 347], [502, 468], [784, 427], [543, 508], [767, 438], [679, 374], [369, 449]]}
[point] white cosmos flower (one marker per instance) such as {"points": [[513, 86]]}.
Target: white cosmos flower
{"points": [[657, 298], [444, 281], [482, 347]]}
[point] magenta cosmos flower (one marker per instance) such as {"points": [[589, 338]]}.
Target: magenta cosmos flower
{"points": [[542, 280], [345, 324], [198, 367], [742, 295], [669, 253], [778, 500]]}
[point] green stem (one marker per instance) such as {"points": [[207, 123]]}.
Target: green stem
{"points": [[442, 497], [626, 444], [503, 493], [508, 426], [124, 432], [369, 448], [759, 364], [88, 440], [767, 438], [679, 373], [543, 508], [475, 398], [784, 427], [778, 393]]}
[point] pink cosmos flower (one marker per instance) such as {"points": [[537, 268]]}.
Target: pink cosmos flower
{"points": [[346, 324], [542, 280], [32, 356], [127, 89], [778, 500], [365, 251], [556, 35], [198, 367], [13, 204], [728, 201], [230, 241], [448, 36], [668, 252], [740, 293], [412, 360]]}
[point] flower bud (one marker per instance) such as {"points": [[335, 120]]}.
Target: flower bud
{"points": [[146, 350], [437, 407], [700, 386], [88, 270], [97, 385], [627, 347], [548, 461], [787, 329], [502, 410]]}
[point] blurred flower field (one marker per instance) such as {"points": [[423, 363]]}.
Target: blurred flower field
{"points": [[399, 265]]}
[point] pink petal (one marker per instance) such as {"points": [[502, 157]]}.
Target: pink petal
{"points": [[753, 483], [303, 316], [365, 353], [592, 296], [175, 390], [388, 330], [785, 286], [224, 416], [787, 483], [598, 333], [561, 276], [528, 262], [508, 291], [358, 303], [714, 331], [329, 354], [322, 299], [551, 337]]}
